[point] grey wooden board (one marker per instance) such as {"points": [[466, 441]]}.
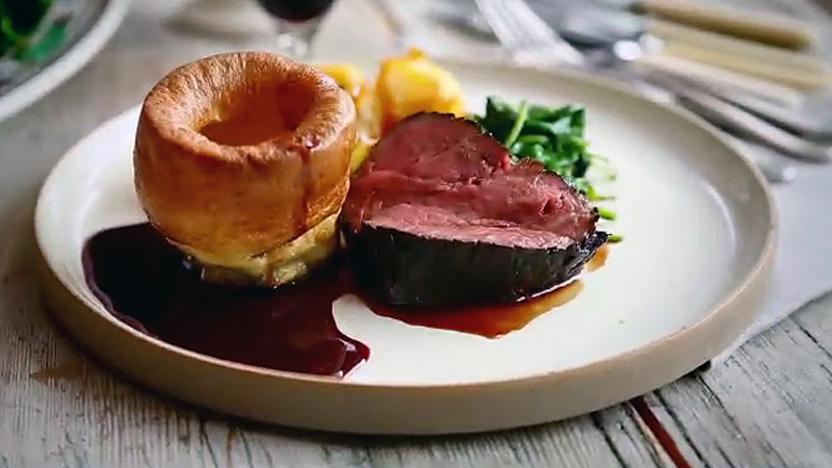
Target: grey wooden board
{"points": [[769, 404]]}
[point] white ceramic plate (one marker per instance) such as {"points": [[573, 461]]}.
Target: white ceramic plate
{"points": [[698, 227], [104, 17]]}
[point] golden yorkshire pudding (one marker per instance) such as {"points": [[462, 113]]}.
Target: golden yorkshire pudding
{"points": [[242, 161]]}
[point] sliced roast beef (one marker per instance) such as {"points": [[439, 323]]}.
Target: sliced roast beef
{"points": [[440, 215]]}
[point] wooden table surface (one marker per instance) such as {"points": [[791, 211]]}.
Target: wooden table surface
{"points": [[769, 404]]}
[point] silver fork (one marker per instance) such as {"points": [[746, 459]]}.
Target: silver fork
{"points": [[526, 35], [530, 40]]}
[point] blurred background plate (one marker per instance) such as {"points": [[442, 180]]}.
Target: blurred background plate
{"points": [[69, 35]]}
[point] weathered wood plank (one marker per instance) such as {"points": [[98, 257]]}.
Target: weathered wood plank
{"points": [[769, 404], [628, 437], [608, 438]]}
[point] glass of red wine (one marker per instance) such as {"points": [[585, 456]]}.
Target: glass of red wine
{"points": [[297, 22]]}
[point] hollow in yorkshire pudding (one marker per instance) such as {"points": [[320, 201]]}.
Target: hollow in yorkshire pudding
{"points": [[242, 161]]}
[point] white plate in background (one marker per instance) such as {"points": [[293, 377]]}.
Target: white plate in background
{"points": [[104, 17]]}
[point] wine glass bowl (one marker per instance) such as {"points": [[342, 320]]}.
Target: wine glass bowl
{"points": [[296, 22]]}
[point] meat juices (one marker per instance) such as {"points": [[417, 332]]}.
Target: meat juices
{"points": [[145, 283]]}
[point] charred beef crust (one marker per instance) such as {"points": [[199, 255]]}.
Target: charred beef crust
{"points": [[404, 269]]}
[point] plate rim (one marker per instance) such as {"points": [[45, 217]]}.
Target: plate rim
{"points": [[754, 276], [70, 62]]}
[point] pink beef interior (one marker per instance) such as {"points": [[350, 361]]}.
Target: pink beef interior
{"points": [[437, 176]]}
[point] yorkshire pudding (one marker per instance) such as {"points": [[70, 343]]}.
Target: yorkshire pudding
{"points": [[242, 161]]}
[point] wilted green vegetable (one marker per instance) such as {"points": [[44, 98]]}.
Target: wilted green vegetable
{"points": [[554, 136], [606, 213], [614, 238]]}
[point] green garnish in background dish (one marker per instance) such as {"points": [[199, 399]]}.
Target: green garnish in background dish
{"points": [[19, 22], [553, 136]]}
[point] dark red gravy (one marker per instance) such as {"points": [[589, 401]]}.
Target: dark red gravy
{"points": [[144, 282]]}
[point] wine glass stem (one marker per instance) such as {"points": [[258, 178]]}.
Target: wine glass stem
{"points": [[295, 38]]}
